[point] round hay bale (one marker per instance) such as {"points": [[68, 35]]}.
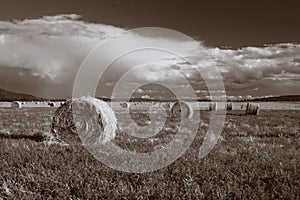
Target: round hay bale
{"points": [[229, 106], [180, 107], [124, 105], [252, 109], [16, 104], [85, 119], [63, 127]]}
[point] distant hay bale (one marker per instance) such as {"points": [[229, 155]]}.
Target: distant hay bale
{"points": [[125, 105], [229, 106], [166, 106], [252, 109], [87, 118], [16, 104], [51, 104], [213, 106], [180, 107]]}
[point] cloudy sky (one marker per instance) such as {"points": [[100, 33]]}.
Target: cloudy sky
{"points": [[256, 45]]}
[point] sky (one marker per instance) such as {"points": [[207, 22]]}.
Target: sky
{"points": [[256, 45]]}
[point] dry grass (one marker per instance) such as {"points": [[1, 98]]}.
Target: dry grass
{"points": [[258, 158]]}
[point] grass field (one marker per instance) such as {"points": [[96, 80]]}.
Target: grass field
{"points": [[257, 157]]}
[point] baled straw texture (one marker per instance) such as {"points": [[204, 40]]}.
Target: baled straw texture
{"points": [[84, 119]]}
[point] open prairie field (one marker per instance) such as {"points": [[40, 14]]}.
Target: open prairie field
{"points": [[256, 157]]}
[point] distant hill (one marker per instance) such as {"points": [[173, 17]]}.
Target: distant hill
{"points": [[280, 98], [274, 99], [14, 96]]}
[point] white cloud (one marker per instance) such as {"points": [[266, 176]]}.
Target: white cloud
{"points": [[53, 47], [255, 63], [278, 61]]}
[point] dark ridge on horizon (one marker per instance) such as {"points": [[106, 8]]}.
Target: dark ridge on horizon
{"points": [[275, 98], [15, 96], [279, 98]]}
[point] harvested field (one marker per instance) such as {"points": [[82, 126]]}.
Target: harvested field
{"points": [[257, 157]]}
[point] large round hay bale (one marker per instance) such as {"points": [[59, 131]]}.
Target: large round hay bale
{"points": [[229, 106], [62, 126], [182, 107], [252, 109], [84, 119]]}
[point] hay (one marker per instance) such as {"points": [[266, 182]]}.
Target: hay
{"points": [[213, 106], [87, 118], [124, 105], [63, 127], [51, 104], [229, 106], [180, 107], [252, 109], [16, 104]]}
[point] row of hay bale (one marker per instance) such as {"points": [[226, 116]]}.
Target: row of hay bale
{"points": [[251, 108], [175, 106], [91, 119], [54, 104], [94, 120], [20, 104], [214, 106]]}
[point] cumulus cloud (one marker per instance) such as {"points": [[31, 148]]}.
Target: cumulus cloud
{"points": [[53, 47], [256, 63], [50, 46], [241, 66]]}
